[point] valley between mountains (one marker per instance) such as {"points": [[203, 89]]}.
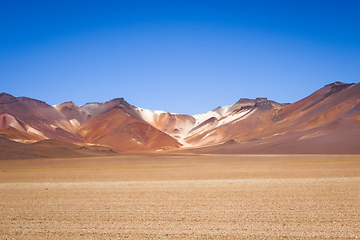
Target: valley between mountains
{"points": [[326, 122]]}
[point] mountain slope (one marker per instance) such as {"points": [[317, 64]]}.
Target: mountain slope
{"points": [[38, 119], [120, 130], [114, 123], [326, 121], [176, 125], [241, 120], [48, 148]]}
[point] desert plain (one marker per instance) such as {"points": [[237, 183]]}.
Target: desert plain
{"points": [[157, 196]]}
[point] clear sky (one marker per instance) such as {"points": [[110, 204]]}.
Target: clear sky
{"points": [[178, 56]]}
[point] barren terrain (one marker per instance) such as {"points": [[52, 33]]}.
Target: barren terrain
{"points": [[181, 197]]}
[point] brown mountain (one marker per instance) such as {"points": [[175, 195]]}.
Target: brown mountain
{"points": [[114, 123], [119, 129], [327, 121], [36, 118]]}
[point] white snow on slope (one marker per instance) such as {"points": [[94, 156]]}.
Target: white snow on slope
{"points": [[148, 115], [223, 115], [152, 118], [217, 113], [233, 117], [180, 126], [184, 128]]}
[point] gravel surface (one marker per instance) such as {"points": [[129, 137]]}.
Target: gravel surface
{"points": [[164, 207]]}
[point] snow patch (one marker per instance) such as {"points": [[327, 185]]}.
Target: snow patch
{"points": [[217, 113], [148, 115], [233, 117], [56, 106], [184, 127]]}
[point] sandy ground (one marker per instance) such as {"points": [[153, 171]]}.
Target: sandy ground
{"points": [[181, 197]]}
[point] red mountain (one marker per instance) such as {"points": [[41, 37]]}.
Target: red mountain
{"points": [[327, 121]]}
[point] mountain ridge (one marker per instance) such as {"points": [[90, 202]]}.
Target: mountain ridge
{"points": [[333, 109]]}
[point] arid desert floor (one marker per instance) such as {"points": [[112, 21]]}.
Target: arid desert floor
{"points": [[181, 197]]}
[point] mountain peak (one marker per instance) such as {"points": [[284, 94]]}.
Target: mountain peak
{"points": [[336, 87], [253, 101], [246, 100], [123, 126], [115, 100], [337, 83], [6, 98]]}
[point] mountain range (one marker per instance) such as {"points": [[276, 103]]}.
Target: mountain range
{"points": [[327, 121]]}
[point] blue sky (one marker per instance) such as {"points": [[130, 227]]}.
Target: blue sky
{"points": [[178, 56]]}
